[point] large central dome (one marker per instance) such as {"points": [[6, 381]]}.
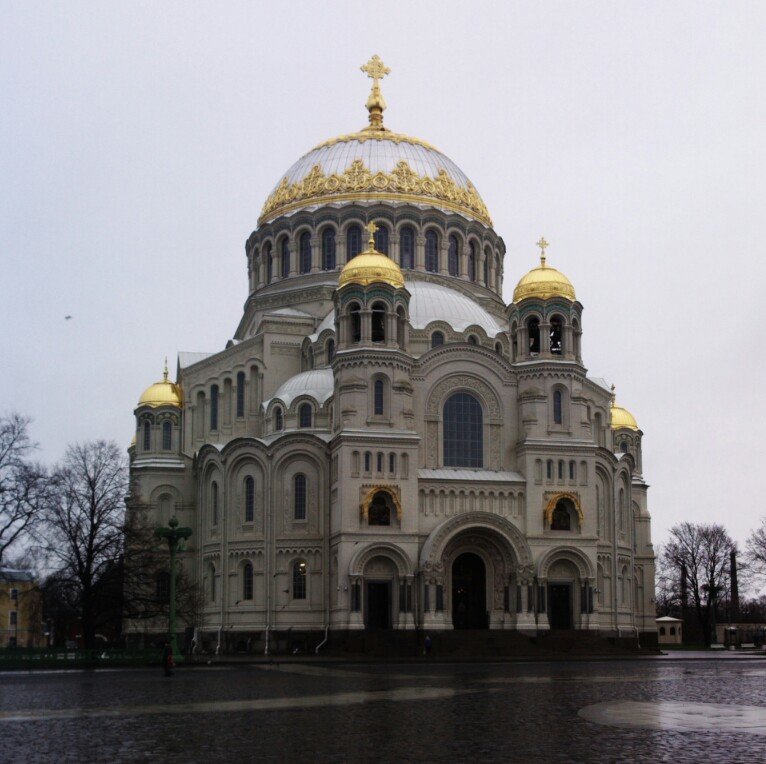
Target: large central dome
{"points": [[375, 164]]}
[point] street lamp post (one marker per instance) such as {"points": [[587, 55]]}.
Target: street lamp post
{"points": [[173, 535]]}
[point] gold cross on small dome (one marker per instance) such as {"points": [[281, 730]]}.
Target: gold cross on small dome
{"points": [[542, 244], [376, 70], [371, 228]]}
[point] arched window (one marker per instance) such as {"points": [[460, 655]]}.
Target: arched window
{"points": [[392, 463], [407, 247], [214, 503], [572, 470], [472, 340], [463, 431], [378, 322], [269, 263], [561, 469], [299, 580], [147, 435], [285, 256], [378, 396], [353, 241], [662, 631], [621, 508], [533, 330], [558, 416], [247, 581], [240, 394], [214, 407], [379, 511], [330, 350], [355, 312], [499, 348], [367, 461], [561, 519], [328, 249], [279, 421], [437, 339], [432, 251], [453, 256], [299, 500], [379, 461], [557, 335], [549, 469], [167, 435], [624, 447], [472, 263], [381, 239], [305, 252], [249, 499], [304, 415], [672, 631]]}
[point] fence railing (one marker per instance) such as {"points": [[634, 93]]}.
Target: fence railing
{"points": [[60, 657]]}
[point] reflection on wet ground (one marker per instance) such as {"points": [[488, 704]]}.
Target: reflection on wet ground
{"points": [[649, 710]]}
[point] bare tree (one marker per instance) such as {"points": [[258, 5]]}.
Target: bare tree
{"points": [[755, 550], [84, 528], [667, 586], [23, 483], [702, 552]]}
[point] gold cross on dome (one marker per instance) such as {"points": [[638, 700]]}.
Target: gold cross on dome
{"points": [[543, 245], [371, 228], [375, 69]]}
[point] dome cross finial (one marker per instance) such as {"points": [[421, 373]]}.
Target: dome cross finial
{"points": [[543, 245], [376, 70], [371, 228], [165, 370]]}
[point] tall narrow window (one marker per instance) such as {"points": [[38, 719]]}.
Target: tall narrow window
{"points": [[378, 322], [392, 463], [485, 274], [211, 575], [378, 395], [299, 501], [240, 394], [279, 421], [214, 407], [572, 470], [355, 313], [330, 350], [432, 252], [249, 499], [379, 461], [557, 409], [472, 263], [167, 436], [407, 247], [304, 415], [269, 263], [285, 257], [214, 503], [437, 339], [549, 469], [247, 581], [381, 239], [561, 469], [533, 330], [147, 436], [305, 252], [299, 580], [400, 325], [557, 335], [452, 256], [328, 249], [367, 461], [353, 241], [463, 431]]}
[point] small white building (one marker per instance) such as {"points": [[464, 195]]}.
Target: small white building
{"points": [[669, 631]]}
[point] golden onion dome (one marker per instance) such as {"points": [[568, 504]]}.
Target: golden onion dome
{"points": [[375, 163], [370, 267], [543, 282], [162, 393], [622, 419]]}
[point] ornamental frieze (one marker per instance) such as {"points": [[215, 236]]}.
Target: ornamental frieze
{"points": [[358, 180]]}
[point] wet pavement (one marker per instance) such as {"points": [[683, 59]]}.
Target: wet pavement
{"points": [[608, 711]]}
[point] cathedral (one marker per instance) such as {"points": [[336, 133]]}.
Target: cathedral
{"points": [[384, 444]]}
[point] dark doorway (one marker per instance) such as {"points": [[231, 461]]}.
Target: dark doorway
{"points": [[561, 606], [379, 605], [469, 592]]}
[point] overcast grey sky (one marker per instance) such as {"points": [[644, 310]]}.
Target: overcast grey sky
{"points": [[138, 142]]}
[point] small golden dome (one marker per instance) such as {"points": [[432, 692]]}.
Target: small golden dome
{"points": [[543, 282], [622, 419], [163, 393], [371, 267]]}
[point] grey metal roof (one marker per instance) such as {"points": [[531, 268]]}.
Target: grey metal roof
{"points": [[10, 574], [318, 383], [189, 359], [471, 476]]}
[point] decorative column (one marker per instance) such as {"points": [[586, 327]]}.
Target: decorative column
{"points": [[316, 254], [420, 253], [525, 620]]}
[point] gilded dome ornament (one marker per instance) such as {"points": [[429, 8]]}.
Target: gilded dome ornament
{"points": [[376, 70], [163, 393], [543, 282], [371, 267], [622, 419]]}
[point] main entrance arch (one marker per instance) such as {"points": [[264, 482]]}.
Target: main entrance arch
{"points": [[469, 592]]}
